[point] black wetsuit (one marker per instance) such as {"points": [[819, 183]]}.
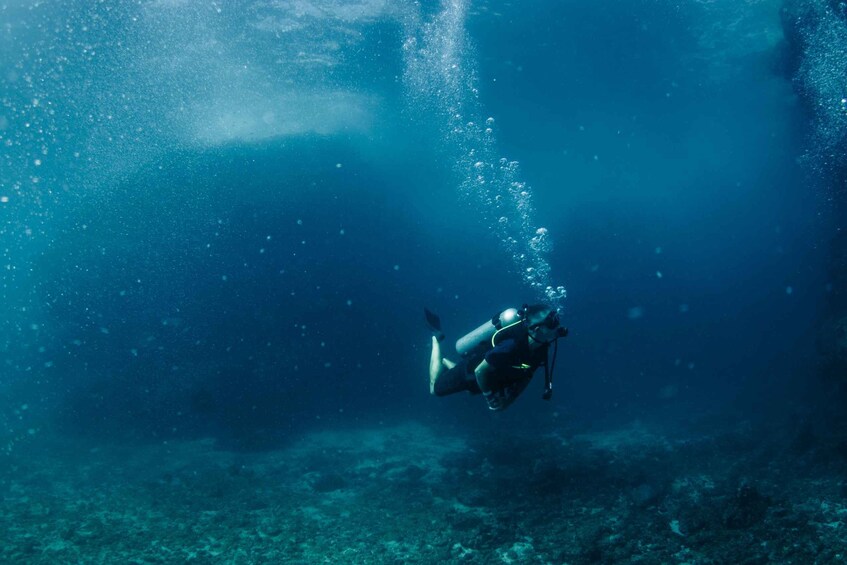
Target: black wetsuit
{"points": [[513, 362]]}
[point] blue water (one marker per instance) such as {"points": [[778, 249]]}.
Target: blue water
{"points": [[244, 171], [223, 219]]}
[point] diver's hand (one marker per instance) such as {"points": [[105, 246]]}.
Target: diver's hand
{"points": [[495, 400]]}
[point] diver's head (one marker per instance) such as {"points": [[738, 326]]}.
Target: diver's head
{"points": [[542, 324]]}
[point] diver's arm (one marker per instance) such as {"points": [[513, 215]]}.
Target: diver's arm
{"points": [[484, 377], [499, 396], [484, 374]]}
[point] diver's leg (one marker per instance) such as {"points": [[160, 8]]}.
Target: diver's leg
{"points": [[436, 364]]}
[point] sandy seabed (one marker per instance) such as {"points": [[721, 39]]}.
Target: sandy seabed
{"points": [[407, 493]]}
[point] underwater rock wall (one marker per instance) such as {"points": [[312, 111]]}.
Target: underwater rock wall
{"points": [[816, 60]]}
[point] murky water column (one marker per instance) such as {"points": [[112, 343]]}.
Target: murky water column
{"points": [[441, 80]]}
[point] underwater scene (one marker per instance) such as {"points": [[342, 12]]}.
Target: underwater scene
{"points": [[423, 281]]}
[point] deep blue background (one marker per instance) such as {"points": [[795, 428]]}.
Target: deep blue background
{"points": [[642, 161]]}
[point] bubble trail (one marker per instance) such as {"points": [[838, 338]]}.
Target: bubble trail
{"points": [[441, 79]]}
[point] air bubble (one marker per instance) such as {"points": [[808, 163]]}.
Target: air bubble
{"points": [[491, 179]]}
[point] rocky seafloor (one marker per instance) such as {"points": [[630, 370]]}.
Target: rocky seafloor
{"points": [[410, 493]]}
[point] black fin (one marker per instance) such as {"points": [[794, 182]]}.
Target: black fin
{"points": [[434, 322]]}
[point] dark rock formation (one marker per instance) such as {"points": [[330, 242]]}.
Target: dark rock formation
{"points": [[747, 508]]}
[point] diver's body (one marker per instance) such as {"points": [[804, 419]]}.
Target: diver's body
{"points": [[499, 370]]}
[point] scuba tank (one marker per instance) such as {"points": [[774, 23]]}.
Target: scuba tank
{"points": [[474, 344], [479, 340]]}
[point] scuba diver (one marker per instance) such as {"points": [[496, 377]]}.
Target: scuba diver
{"points": [[499, 357]]}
